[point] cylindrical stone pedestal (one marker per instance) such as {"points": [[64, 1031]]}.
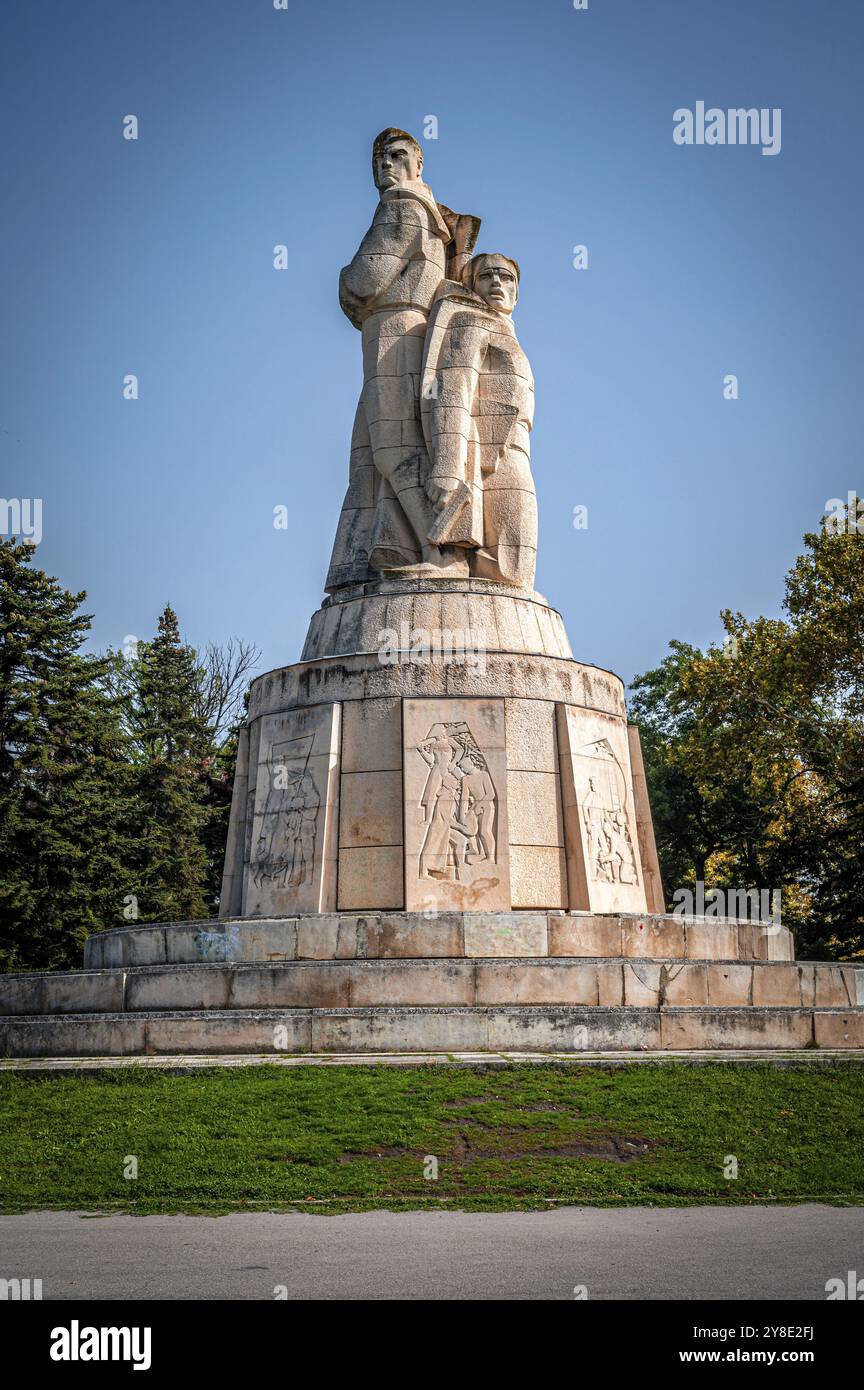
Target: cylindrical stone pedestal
{"points": [[438, 749]]}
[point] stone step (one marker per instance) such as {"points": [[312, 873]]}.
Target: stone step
{"points": [[512, 1028], [437, 935], [598, 982]]}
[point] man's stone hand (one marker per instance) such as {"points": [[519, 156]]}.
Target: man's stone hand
{"points": [[438, 490]]}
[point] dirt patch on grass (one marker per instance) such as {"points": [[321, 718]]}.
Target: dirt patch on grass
{"points": [[612, 1148]]}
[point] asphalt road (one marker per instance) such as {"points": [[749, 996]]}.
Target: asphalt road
{"points": [[636, 1252]]}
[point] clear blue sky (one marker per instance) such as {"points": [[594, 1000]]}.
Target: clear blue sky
{"points": [[155, 257]]}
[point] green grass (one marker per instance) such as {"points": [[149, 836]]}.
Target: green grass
{"points": [[351, 1138]]}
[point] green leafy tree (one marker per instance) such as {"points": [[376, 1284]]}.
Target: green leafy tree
{"points": [[755, 752]]}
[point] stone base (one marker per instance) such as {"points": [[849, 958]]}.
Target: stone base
{"points": [[451, 982], [505, 1029], [438, 749], [440, 935]]}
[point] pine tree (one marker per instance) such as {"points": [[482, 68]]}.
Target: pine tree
{"points": [[65, 791], [174, 753]]}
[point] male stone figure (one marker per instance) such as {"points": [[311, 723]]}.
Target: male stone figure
{"points": [[477, 401], [386, 292]]}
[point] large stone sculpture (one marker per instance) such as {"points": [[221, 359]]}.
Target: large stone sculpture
{"points": [[387, 292], [431, 853], [477, 405]]}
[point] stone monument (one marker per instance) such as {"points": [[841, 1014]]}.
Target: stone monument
{"points": [[440, 834]]}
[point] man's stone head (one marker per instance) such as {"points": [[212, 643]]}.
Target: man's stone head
{"points": [[495, 278], [396, 159]]}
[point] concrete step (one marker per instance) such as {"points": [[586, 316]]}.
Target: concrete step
{"points": [[524, 1029], [439, 935], [458, 982]]}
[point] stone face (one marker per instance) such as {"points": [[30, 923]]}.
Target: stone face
{"points": [[456, 824], [603, 856], [370, 809], [531, 742], [505, 934], [645, 826], [371, 878], [372, 736], [231, 900], [293, 851], [538, 876]]}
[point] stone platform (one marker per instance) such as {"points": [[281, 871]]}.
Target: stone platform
{"points": [[439, 983], [438, 749]]}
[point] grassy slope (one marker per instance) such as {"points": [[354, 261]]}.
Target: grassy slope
{"points": [[266, 1137]]}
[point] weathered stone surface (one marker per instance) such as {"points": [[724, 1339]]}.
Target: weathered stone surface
{"points": [[372, 736], [655, 937], [534, 809], [293, 851], [72, 992], [603, 856], [538, 876], [719, 1028], [644, 825], [584, 934], [371, 877], [710, 939], [730, 985], [531, 740], [370, 810], [838, 1029], [456, 823], [505, 934], [363, 677], [231, 899]]}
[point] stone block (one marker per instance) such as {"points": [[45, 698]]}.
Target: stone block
{"points": [[178, 987], [645, 825], [534, 808], [603, 855], [729, 985], [710, 940], [724, 1028], [323, 985], [831, 987], [838, 1028], [371, 878], [456, 822], [642, 984], [659, 937], [775, 985], [413, 983], [524, 982], [505, 934], [293, 848], [538, 876], [531, 744], [439, 934], [584, 935], [370, 809], [683, 984]]}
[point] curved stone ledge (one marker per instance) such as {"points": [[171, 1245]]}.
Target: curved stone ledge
{"points": [[603, 983], [508, 1029], [502, 619], [436, 935], [503, 673]]}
